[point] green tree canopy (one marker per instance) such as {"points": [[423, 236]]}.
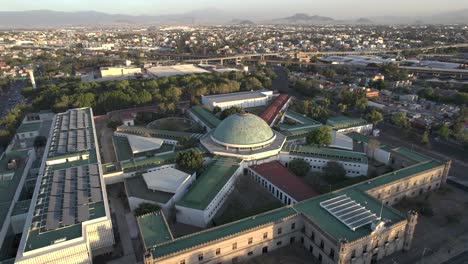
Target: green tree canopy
{"points": [[230, 111], [299, 167], [425, 138], [400, 120], [444, 132], [334, 172], [320, 137], [146, 208], [190, 160], [374, 117]]}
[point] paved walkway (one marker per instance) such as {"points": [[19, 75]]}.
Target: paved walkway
{"points": [[124, 232]]}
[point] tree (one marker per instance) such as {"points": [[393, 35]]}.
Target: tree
{"points": [[329, 73], [374, 117], [299, 167], [230, 111], [146, 208], [444, 132], [361, 103], [320, 137], [334, 172], [216, 110], [319, 112], [188, 142], [342, 107], [190, 160], [372, 146], [425, 138], [252, 83], [40, 142], [400, 120]]}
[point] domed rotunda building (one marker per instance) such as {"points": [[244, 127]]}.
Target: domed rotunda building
{"points": [[245, 136]]}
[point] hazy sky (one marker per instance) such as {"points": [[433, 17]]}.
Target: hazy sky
{"points": [[264, 8]]}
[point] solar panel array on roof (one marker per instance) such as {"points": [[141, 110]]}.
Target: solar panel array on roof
{"points": [[72, 133], [83, 212], [347, 211]]}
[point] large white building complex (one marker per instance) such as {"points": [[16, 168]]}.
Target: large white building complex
{"points": [[355, 224], [69, 220], [241, 99]]}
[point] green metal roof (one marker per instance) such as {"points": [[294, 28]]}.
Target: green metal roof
{"points": [[21, 207], [333, 227], [8, 188], [363, 138], [122, 148], [298, 133], [29, 127], [177, 135], [146, 163], [154, 229], [243, 129], [326, 153], [399, 175], [303, 121], [206, 117], [220, 232], [411, 154], [342, 122], [210, 182]]}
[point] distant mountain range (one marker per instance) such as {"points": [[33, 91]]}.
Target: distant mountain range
{"points": [[243, 22], [48, 19]]}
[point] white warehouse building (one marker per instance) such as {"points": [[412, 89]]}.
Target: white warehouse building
{"points": [[241, 99]]}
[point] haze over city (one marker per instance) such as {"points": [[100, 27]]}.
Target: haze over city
{"points": [[260, 9], [228, 132]]}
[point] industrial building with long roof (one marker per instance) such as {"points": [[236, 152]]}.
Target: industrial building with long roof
{"points": [[69, 220]]}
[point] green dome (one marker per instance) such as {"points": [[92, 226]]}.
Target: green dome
{"points": [[243, 130]]}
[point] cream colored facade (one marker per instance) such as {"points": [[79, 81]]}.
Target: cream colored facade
{"points": [[298, 228], [108, 72]]}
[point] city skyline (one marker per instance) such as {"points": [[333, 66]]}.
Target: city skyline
{"points": [[334, 8]]}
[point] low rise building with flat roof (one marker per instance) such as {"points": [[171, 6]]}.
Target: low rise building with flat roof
{"points": [[162, 185], [345, 125], [154, 229], [280, 104], [116, 72], [14, 167], [354, 163], [168, 71], [209, 192], [366, 231], [69, 219], [203, 117], [240, 99]]}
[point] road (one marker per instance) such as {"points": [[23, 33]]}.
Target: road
{"points": [[436, 150], [119, 210], [281, 83], [11, 98], [460, 259]]}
